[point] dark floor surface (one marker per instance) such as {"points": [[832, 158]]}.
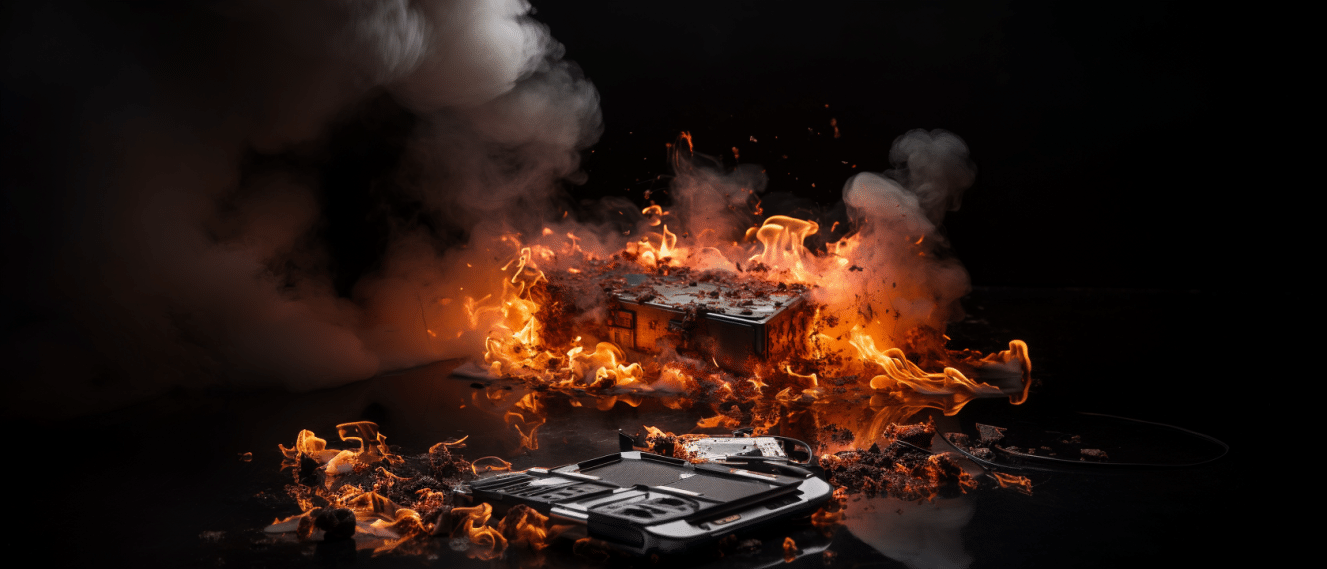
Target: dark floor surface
{"points": [[143, 485]]}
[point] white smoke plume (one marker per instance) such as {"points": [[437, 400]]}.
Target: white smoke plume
{"points": [[164, 214], [907, 278], [714, 206]]}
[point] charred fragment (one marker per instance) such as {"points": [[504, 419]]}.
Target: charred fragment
{"points": [[1093, 454], [918, 435], [901, 469], [308, 471], [834, 436], [989, 434]]}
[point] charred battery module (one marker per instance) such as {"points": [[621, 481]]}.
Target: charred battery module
{"points": [[720, 321]]}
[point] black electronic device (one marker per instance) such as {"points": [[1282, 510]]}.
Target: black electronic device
{"points": [[648, 503]]}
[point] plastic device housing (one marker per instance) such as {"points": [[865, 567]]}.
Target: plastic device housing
{"points": [[646, 503]]}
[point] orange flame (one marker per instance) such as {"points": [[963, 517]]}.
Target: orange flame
{"points": [[848, 336], [782, 237], [472, 523], [1020, 483]]}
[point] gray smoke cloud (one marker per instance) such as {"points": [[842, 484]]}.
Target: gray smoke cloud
{"points": [[935, 167], [907, 274], [161, 244], [715, 206]]}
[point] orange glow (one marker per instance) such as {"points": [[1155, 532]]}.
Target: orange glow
{"points": [[1020, 483], [789, 550], [490, 464], [525, 527], [472, 523], [860, 345], [831, 514], [782, 237], [384, 525], [372, 449]]}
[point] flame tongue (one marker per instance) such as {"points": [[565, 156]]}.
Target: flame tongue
{"points": [[473, 524], [782, 237]]}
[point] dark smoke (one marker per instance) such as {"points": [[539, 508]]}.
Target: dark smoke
{"points": [[176, 173]]}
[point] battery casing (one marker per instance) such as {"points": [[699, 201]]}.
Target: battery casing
{"points": [[720, 324]]}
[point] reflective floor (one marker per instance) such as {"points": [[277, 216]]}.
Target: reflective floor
{"points": [[165, 483]]}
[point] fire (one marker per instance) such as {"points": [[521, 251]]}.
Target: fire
{"points": [[656, 250], [831, 514], [782, 237], [384, 523], [372, 449], [380, 507], [842, 341], [870, 338], [473, 524], [526, 416], [948, 390]]}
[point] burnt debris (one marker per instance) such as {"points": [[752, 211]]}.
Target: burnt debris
{"points": [[904, 468]]}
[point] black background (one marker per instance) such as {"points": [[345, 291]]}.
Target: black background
{"points": [[1108, 140], [1101, 133]]}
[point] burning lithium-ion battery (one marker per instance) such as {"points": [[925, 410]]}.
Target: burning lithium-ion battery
{"points": [[730, 325]]}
